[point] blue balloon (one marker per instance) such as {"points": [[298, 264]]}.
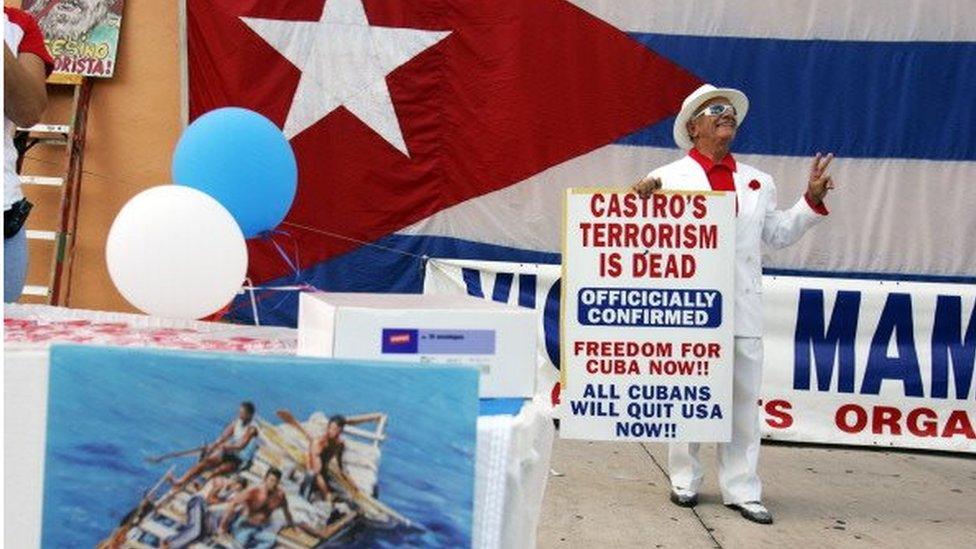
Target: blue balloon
{"points": [[244, 161]]}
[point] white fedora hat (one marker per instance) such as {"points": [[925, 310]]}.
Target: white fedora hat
{"points": [[694, 102]]}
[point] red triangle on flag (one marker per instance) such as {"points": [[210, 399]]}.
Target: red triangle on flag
{"points": [[515, 88]]}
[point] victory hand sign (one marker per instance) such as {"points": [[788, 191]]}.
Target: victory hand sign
{"points": [[819, 182]]}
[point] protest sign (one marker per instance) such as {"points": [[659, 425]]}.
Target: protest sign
{"points": [[647, 303]]}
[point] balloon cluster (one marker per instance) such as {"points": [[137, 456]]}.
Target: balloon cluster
{"points": [[178, 250]]}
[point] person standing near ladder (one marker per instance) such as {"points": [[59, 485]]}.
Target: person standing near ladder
{"points": [[26, 64]]}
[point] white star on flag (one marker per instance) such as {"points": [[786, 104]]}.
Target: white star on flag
{"points": [[344, 63]]}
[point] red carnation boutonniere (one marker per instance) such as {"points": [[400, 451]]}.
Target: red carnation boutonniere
{"points": [[754, 185]]}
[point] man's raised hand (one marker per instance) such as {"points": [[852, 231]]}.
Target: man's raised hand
{"points": [[646, 186], [820, 182]]}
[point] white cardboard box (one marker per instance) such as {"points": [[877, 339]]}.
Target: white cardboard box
{"points": [[499, 339]]}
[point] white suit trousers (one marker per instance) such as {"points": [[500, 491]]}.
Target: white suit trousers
{"points": [[738, 459]]}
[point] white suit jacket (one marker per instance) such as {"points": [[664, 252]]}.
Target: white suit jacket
{"points": [[758, 221]]}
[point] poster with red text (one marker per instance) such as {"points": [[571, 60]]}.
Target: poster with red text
{"points": [[647, 313], [81, 35]]}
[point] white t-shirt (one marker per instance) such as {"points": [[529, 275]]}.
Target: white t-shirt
{"points": [[21, 34]]}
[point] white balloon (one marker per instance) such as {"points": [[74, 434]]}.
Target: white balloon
{"points": [[174, 251]]}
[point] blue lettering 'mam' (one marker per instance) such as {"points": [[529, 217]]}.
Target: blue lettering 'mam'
{"points": [[948, 345], [896, 319], [836, 340]]}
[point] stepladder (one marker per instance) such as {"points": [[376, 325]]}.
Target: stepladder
{"points": [[50, 164]]}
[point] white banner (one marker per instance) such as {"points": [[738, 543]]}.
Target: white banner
{"points": [[936, 324], [869, 362], [647, 316]]}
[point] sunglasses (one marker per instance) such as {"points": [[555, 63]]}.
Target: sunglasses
{"points": [[716, 109]]}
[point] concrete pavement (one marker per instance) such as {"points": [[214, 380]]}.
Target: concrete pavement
{"points": [[616, 495]]}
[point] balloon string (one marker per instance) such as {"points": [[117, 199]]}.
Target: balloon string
{"points": [[423, 258], [254, 302], [294, 288], [292, 262]]}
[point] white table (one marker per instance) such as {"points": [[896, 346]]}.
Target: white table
{"points": [[513, 452]]}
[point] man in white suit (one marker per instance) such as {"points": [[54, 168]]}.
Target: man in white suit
{"points": [[705, 127]]}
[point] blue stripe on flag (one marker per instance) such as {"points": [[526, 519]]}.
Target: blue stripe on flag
{"points": [[379, 270], [369, 269], [857, 99]]}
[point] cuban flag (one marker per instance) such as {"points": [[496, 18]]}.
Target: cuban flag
{"points": [[451, 128]]}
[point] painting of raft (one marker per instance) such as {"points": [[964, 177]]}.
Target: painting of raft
{"points": [[150, 448]]}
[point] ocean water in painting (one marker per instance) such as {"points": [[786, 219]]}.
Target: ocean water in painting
{"points": [[109, 409]]}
